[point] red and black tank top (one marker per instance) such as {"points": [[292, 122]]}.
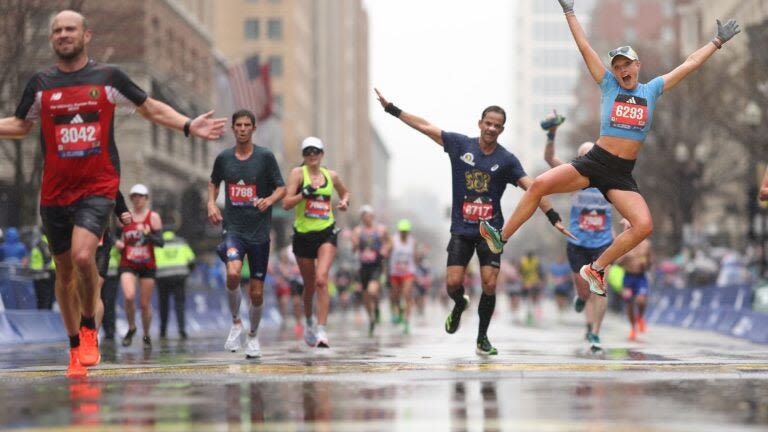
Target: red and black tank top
{"points": [[138, 252]]}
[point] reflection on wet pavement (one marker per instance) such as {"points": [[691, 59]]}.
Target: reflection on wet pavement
{"points": [[429, 381]]}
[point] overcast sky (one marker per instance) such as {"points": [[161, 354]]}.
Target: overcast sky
{"points": [[444, 60]]}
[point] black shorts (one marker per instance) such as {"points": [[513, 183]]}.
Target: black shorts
{"points": [[297, 288], [143, 273], [91, 213], [368, 273], [461, 248], [305, 245], [579, 256], [606, 171]]}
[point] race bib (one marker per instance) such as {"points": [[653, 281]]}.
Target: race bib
{"points": [[592, 221], [242, 195], [476, 210], [317, 208], [402, 265], [138, 254], [78, 140], [629, 112], [368, 256]]}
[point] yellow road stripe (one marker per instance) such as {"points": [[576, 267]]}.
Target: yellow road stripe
{"points": [[384, 368]]}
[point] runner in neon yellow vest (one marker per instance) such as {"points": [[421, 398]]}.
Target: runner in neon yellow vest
{"points": [[310, 191]]}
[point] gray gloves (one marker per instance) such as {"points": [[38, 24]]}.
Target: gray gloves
{"points": [[567, 5], [724, 31]]}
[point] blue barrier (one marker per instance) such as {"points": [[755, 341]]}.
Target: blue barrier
{"points": [[722, 309], [36, 325], [7, 333], [206, 310]]}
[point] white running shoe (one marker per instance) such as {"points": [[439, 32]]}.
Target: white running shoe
{"points": [[310, 337], [252, 348], [322, 337], [234, 342]]}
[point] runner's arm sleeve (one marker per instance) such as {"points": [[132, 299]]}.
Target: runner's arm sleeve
{"points": [[156, 238], [124, 91], [120, 205]]}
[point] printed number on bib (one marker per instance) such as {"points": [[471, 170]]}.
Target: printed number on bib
{"points": [[629, 112], [78, 140], [476, 210], [317, 208], [592, 221], [138, 254], [368, 256], [242, 195]]}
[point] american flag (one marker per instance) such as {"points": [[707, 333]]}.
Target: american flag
{"points": [[250, 87]]}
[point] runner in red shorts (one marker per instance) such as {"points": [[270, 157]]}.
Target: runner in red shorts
{"points": [[75, 101]]}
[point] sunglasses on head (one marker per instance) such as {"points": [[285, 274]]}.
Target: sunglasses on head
{"points": [[617, 51], [311, 151]]}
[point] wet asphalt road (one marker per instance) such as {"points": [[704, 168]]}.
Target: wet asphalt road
{"points": [[544, 379]]}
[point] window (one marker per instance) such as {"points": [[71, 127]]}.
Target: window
{"points": [[252, 29], [193, 149], [552, 86], [169, 133], [275, 66], [275, 29], [630, 34], [668, 9], [630, 9], [277, 104], [155, 136], [552, 32], [555, 58]]}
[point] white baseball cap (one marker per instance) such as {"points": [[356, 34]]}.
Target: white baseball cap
{"points": [[623, 51], [312, 142], [139, 189], [366, 209]]}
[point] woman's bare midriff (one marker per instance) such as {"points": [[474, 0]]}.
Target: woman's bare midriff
{"points": [[620, 147]]}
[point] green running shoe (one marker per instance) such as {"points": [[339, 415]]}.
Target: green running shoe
{"points": [[406, 328], [454, 318], [492, 236], [578, 304], [594, 342], [484, 347]]}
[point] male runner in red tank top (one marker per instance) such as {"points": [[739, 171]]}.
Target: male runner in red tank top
{"points": [[75, 101]]}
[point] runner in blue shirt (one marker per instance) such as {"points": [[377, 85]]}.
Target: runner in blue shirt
{"points": [[626, 114], [590, 220], [481, 170]]}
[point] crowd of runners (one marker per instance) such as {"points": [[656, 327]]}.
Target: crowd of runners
{"points": [[75, 100]]}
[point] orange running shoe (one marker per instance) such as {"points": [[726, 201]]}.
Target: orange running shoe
{"points": [[594, 278], [641, 325], [632, 334], [89, 347], [75, 369]]}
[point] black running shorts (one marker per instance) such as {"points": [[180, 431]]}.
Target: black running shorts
{"points": [[305, 245], [606, 171], [461, 248], [91, 213]]}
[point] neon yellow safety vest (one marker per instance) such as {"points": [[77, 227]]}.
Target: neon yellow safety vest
{"points": [[174, 258], [316, 213], [37, 259]]}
